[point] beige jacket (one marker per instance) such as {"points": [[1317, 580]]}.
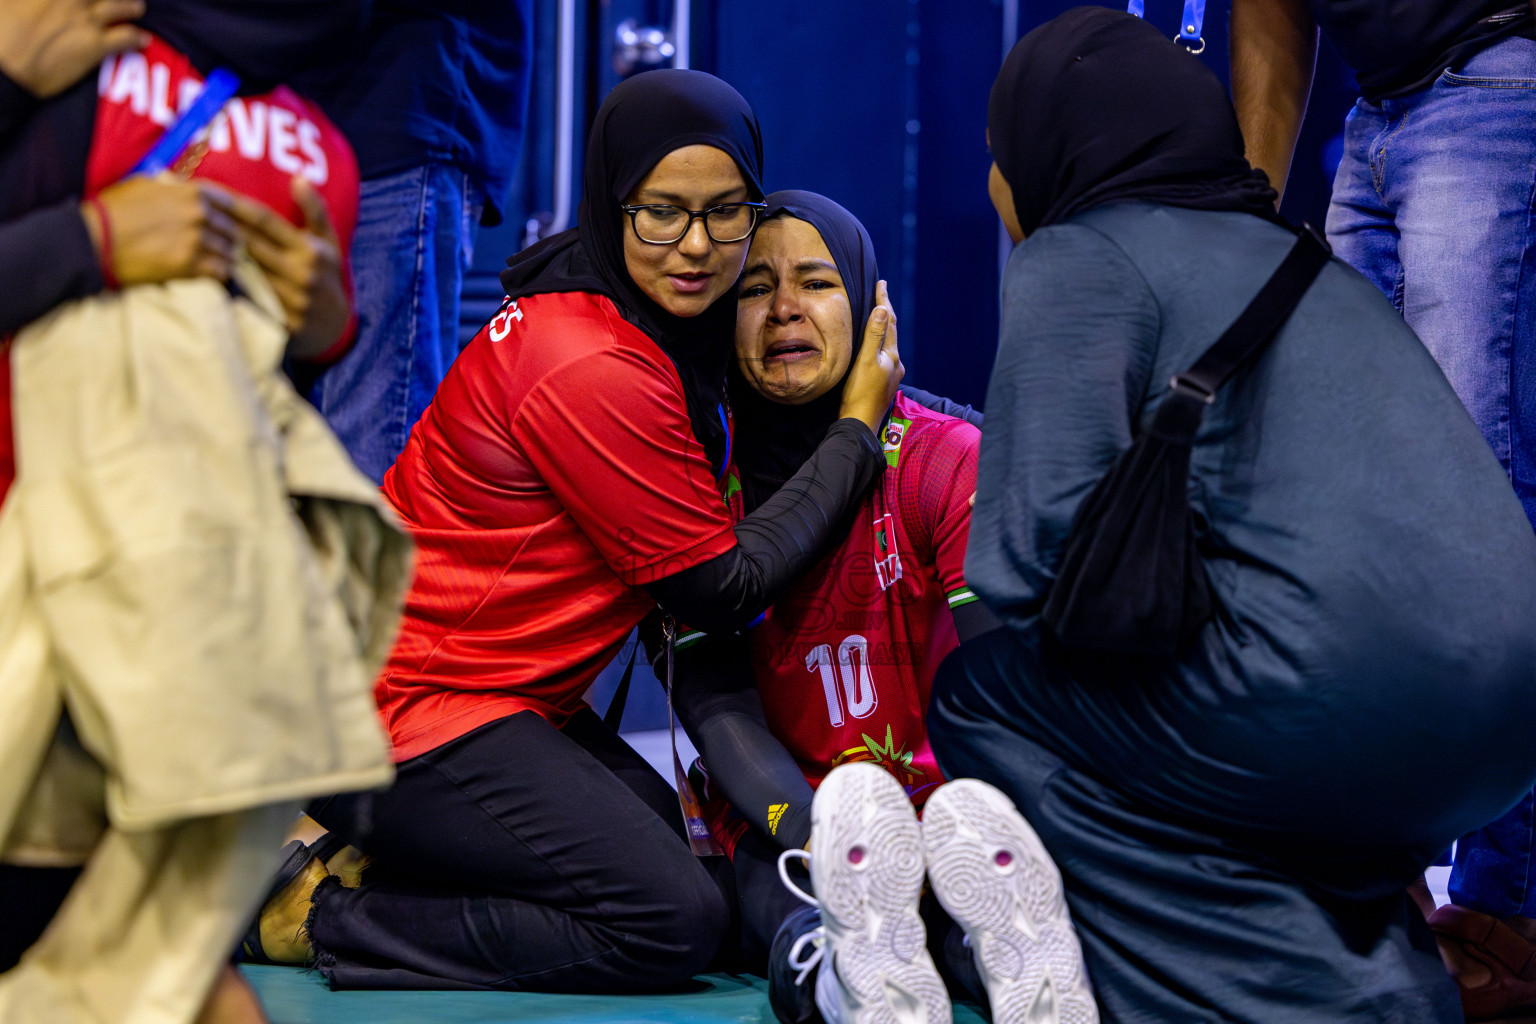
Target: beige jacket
{"points": [[206, 581]]}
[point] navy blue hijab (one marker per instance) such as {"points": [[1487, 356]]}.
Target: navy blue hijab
{"points": [[773, 439], [1097, 106], [643, 119]]}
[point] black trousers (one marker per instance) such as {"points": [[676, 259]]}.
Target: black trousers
{"points": [[29, 897], [520, 857]]}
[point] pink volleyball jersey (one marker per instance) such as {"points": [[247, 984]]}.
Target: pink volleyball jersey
{"points": [[845, 660]]}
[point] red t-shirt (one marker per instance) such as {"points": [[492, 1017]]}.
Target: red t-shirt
{"points": [[845, 660], [256, 145], [554, 473]]}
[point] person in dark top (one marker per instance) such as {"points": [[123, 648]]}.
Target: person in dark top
{"points": [[1236, 824], [433, 96], [1395, 50], [564, 481], [1433, 203]]}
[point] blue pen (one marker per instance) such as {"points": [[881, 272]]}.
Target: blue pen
{"points": [[217, 89]]}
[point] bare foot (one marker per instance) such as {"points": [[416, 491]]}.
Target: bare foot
{"points": [[348, 864], [283, 935], [231, 1001]]}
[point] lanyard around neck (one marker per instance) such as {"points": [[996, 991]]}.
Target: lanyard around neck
{"points": [[218, 87], [1191, 29]]}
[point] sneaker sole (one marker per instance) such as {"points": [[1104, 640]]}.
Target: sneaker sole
{"points": [[867, 863], [993, 875]]}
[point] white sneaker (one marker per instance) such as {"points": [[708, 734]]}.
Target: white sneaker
{"points": [[867, 867], [991, 872]]}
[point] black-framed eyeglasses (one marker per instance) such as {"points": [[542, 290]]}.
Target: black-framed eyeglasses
{"points": [[663, 225]]}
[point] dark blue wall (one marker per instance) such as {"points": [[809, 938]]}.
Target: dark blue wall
{"points": [[835, 91], [882, 106]]}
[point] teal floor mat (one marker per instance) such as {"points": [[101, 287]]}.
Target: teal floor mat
{"points": [[292, 996]]}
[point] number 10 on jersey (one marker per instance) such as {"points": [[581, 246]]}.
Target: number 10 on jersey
{"points": [[857, 693]]}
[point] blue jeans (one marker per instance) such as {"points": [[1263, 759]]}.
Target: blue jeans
{"points": [[1433, 204], [415, 234]]}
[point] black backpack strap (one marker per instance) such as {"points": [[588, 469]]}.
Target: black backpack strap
{"points": [[1250, 332]]}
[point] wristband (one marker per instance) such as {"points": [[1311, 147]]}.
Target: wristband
{"points": [[108, 276]]}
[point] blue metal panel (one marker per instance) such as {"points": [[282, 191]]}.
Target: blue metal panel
{"points": [[833, 85], [957, 229]]}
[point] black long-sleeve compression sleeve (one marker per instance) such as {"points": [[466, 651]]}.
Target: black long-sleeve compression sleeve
{"points": [[717, 701], [779, 541], [974, 619], [15, 104], [46, 257]]}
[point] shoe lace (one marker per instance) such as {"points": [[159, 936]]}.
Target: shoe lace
{"points": [[801, 961]]}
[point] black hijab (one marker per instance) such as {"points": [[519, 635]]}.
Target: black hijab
{"points": [[643, 119], [774, 439], [1097, 106]]}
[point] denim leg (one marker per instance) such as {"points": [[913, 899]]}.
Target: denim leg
{"points": [[415, 233], [458, 209], [1361, 229], [1458, 177], [1451, 171]]}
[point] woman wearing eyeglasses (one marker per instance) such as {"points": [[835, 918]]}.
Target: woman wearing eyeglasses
{"points": [[563, 481]]}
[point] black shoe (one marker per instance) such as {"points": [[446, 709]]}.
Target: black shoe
{"points": [[792, 988]]}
